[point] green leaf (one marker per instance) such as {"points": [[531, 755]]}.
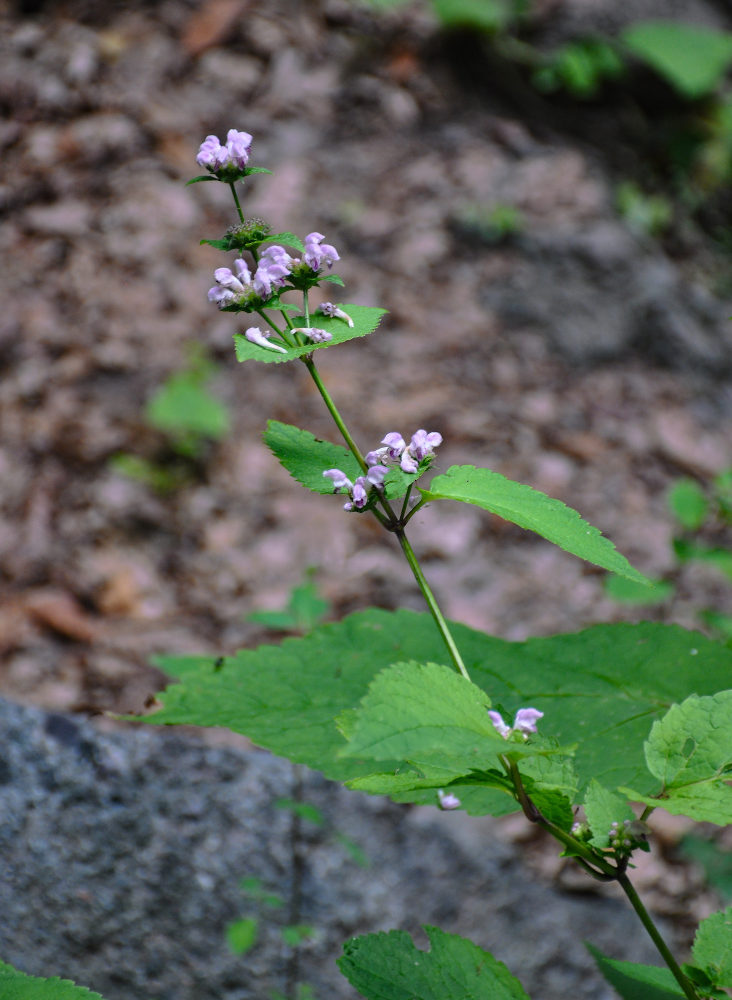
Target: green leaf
{"points": [[335, 279], [712, 947], [16, 985], [604, 807], [692, 58], [304, 610], [716, 862], [286, 237], [253, 888], [619, 588], [485, 16], [426, 712], [717, 557], [388, 966], [601, 688], [530, 509], [689, 750], [241, 935], [305, 810], [183, 404], [306, 457], [688, 503], [295, 934], [637, 982], [365, 320], [201, 177]]}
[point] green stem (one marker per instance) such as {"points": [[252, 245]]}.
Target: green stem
{"points": [[267, 319], [236, 202], [432, 603], [645, 918], [333, 410], [413, 511]]}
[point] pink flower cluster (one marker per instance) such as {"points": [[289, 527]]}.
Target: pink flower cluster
{"points": [[358, 491], [396, 449], [235, 153], [240, 288]]}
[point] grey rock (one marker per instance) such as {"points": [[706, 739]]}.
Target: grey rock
{"points": [[122, 851], [599, 293]]}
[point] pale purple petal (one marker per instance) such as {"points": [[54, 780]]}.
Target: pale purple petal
{"points": [[500, 726], [211, 153], [526, 719], [255, 336], [375, 457], [314, 333], [243, 271], [422, 443], [448, 800], [340, 479], [224, 277], [237, 147], [360, 496], [221, 296], [395, 443], [377, 474], [408, 464]]}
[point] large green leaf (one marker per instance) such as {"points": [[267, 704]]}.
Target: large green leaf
{"points": [[713, 948], [691, 57], [637, 982], [365, 320], [16, 985], [388, 966], [601, 688], [689, 750], [530, 509]]}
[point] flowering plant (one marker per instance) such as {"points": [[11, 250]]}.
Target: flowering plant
{"points": [[609, 724]]}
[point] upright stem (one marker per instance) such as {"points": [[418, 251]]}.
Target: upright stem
{"points": [[663, 948], [333, 410], [236, 202], [432, 603]]}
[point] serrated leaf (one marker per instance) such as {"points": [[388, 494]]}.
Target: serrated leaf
{"points": [[241, 935], [603, 807], [688, 503], [306, 457], [712, 947], [388, 966], [16, 985], [222, 244], [528, 508], [286, 237], [334, 279], [691, 57], [689, 750], [637, 982], [425, 712], [601, 688], [255, 170], [365, 320]]}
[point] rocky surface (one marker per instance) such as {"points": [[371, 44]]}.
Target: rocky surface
{"points": [[122, 853]]}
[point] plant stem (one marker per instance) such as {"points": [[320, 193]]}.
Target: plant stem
{"points": [[333, 410], [236, 202], [647, 921], [432, 603]]}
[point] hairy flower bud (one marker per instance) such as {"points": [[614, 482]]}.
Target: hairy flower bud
{"points": [[255, 336]]}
